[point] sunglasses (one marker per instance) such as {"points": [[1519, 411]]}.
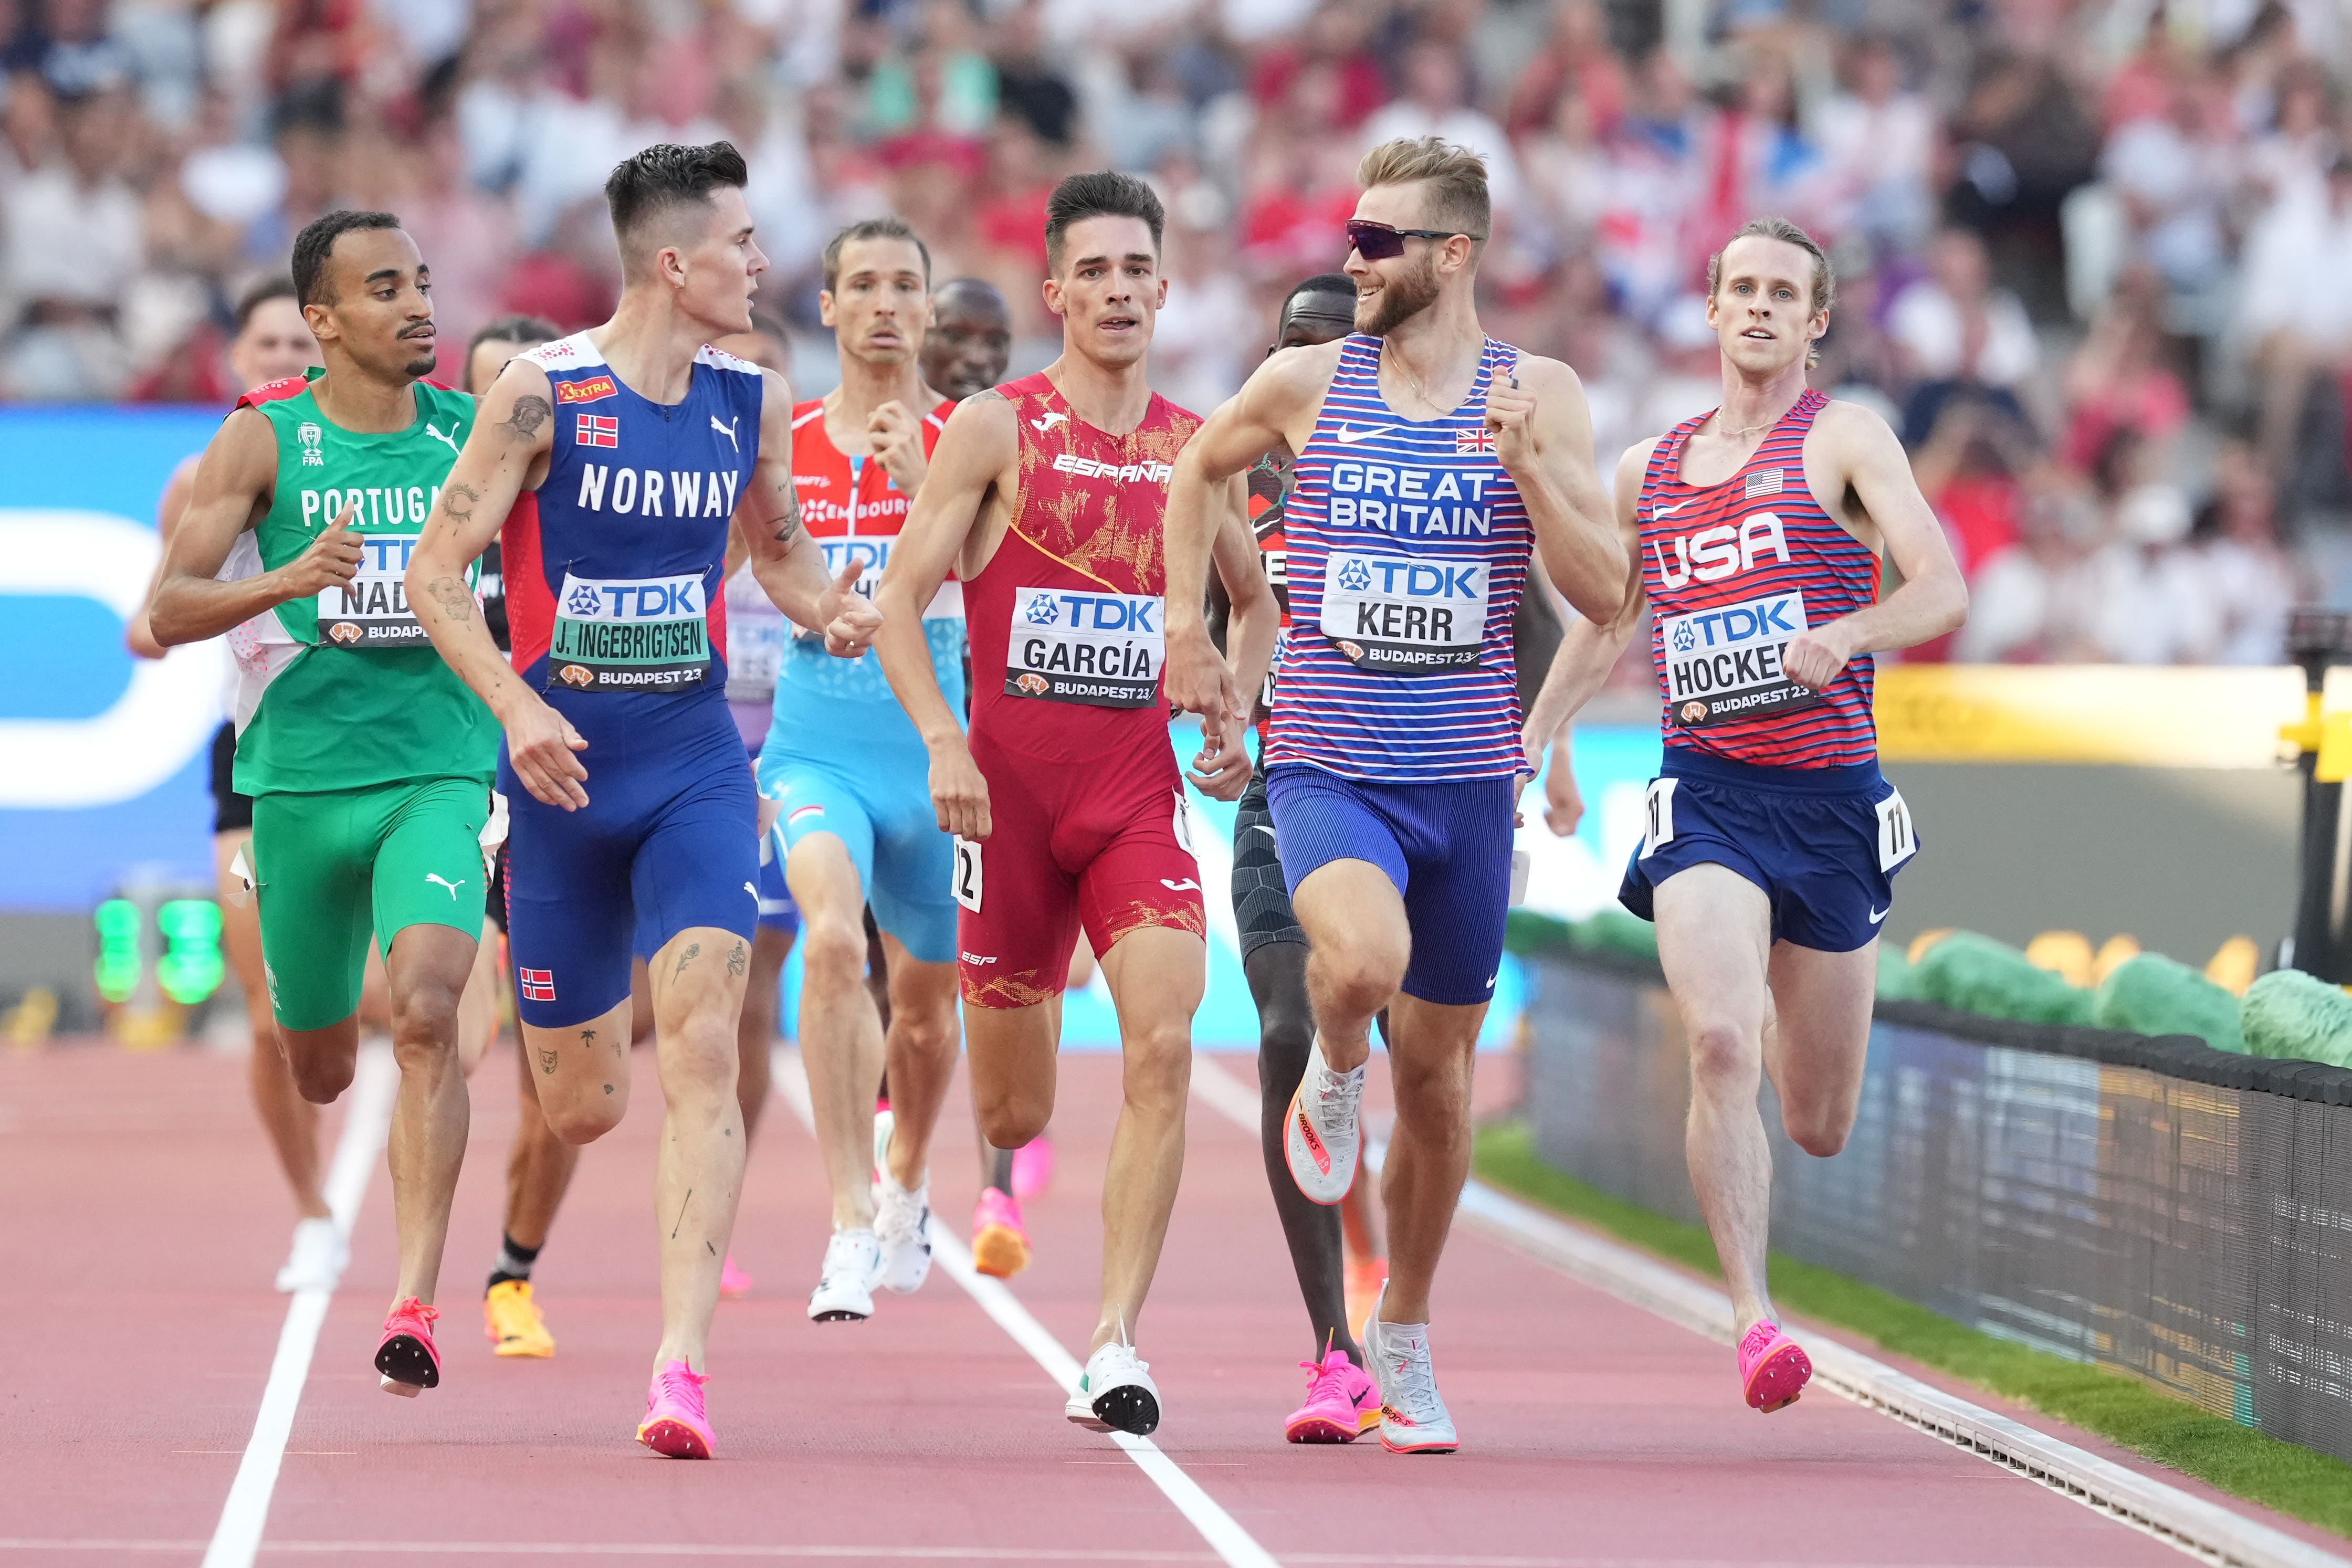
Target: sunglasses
{"points": [[1378, 241]]}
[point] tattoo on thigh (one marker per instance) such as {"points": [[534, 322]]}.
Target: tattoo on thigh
{"points": [[546, 1062], [693, 951], [587, 1035], [739, 960]]}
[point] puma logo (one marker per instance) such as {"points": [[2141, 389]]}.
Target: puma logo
{"points": [[1044, 424], [728, 430], [448, 441], [438, 880]]}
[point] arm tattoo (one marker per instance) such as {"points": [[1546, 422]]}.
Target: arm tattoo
{"points": [[452, 497], [986, 394], [451, 596], [530, 411], [788, 526], [736, 960]]}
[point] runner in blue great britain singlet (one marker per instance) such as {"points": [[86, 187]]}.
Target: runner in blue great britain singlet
{"points": [[1777, 782], [617, 613], [1395, 737]]}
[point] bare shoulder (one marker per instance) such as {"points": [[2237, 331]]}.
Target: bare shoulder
{"points": [[1540, 373], [775, 393], [520, 377], [1854, 431], [984, 422], [1636, 462], [245, 445], [1292, 378]]}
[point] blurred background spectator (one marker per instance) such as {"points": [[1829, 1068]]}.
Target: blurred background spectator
{"points": [[2085, 245]]}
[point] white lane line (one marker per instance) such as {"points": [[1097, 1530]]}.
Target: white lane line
{"points": [[367, 1118], [1232, 1543], [1369, 1558], [2203, 1530]]}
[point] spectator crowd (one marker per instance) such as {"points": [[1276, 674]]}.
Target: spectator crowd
{"points": [[2083, 245]]}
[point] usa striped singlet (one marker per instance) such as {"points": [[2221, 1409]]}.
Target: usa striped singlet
{"points": [[1733, 571], [1407, 552]]}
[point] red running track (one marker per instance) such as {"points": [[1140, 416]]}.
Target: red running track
{"points": [[144, 1220]]}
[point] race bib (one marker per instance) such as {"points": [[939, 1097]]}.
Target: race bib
{"points": [[630, 634], [372, 610], [966, 886], [1658, 816], [755, 640], [1071, 645], [1897, 840], [1725, 663], [1406, 615]]}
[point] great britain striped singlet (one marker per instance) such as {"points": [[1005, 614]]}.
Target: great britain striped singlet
{"points": [[1407, 552], [1733, 571]]}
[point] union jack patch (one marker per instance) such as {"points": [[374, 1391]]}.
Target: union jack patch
{"points": [[597, 430], [537, 985], [1478, 438]]}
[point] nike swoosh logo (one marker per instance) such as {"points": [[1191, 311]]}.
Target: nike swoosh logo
{"points": [[1670, 511], [1261, 828], [1349, 437], [1878, 915]]}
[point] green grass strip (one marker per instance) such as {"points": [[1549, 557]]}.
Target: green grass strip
{"points": [[2293, 1479]]}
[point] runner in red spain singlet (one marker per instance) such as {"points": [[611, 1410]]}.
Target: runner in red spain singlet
{"points": [[1048, 496]]}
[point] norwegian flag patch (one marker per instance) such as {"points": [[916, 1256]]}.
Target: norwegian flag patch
{"points": [[538, 985], [1764, 482], [597, 430], [1478, 438]]}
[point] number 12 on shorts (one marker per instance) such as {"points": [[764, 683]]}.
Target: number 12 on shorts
{"points": [[967, 873]]}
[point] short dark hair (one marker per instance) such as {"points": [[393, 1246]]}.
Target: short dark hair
{"points": [[515, 329], [260, 294], [1101, 193], [667, 175], [873, 228], [316, 244], [1321, 283], [976, 290]]}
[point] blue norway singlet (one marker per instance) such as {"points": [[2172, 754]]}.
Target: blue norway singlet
{"points": [[1408, 550], [614, 595], [1733, 571]]}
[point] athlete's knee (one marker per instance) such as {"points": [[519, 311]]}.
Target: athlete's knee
{"points": [[1432, 1096], [1157, 1073], [320, 1076], [1725, 1051], [832, 954], [925, 1032], [1359, 978], [1820, 1129], [1011, 1114], [575, 1119], [1286, 1031], [701, 1057]]}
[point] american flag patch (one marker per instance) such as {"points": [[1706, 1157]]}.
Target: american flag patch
{"points": [[538, 985], [1476, 439], [604, 430], [1765, 482]]}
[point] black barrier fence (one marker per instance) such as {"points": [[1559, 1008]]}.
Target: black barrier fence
{"points": [[2144, 1203]]}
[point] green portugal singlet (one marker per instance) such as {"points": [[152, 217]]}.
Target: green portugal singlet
{"points": [[358, 695]]}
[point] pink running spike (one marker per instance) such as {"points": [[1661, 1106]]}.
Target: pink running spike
{"points": [[1343, 1402], [675, 1425], [405, 1356], [1773, 1368]]}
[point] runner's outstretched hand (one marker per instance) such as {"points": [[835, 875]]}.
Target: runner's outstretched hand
{"points": [[958, 792], [540, 742], [849, 630], [327, 561]]}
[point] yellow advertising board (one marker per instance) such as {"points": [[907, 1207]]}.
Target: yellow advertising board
{"points": [[2147, 717]]}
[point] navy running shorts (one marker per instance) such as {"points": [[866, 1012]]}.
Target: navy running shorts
{"points": [[669, 841], [1823, 843], [1446, 846]]}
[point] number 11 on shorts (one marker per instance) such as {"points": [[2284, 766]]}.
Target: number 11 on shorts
{"points": [[967, 873]]}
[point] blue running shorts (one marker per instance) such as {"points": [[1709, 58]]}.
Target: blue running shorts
{"points": [[1447, 847], [668, 841], [882, 815], [1823, 843]]}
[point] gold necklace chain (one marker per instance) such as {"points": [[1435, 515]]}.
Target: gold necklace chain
{"points": [[1419, 389]]}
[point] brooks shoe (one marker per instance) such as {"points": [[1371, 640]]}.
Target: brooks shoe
{"points": [[1414, 1418], [902, 1220], [1116, 1393], [1343, 1402], [1322, 1137], [1033, 1166], [845, 1294], [732, 1281], [405, 1355], [1773, 1368], [999, 1244], [316, 1260], [513, 1322], [675, 1425]]}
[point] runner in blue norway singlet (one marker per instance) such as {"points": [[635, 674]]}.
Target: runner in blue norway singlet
{"points": [[1395, 737], [617, 612]]}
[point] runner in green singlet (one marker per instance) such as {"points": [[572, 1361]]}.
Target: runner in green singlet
{"points": [[369, 762]]}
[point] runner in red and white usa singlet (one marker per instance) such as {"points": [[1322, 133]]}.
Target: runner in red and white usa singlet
{"points": [[1734, 570], [1068, 632]]}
